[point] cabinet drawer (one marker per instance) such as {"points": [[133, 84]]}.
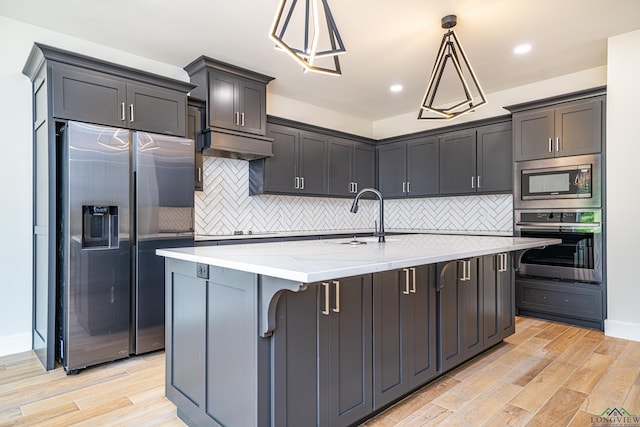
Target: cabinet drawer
{"points": [[582, 301]]}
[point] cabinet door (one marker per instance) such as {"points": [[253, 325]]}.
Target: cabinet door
{"points": [[458, 163], [392, 169], [195, 121], [157, 110], [507, 301], [295, 355], [339, 165], [223, 100], [404, 333], [390, 295], [313, 163], [492, 299], [533, 133], [345, 359], [450, 318], [423, 167], [88, 97], [460, 310], [364, 166], [495, 158], [281, 169], [579, 127], [253, 107], [420, 319], [471, 310]]}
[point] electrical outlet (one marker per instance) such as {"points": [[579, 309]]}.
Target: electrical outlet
{"points": [[202, 271]]}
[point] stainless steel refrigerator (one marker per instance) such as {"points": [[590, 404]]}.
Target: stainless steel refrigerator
{"points": [[124, 194]]}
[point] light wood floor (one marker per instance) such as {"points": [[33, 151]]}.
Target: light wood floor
{"points": [[546, 374]]}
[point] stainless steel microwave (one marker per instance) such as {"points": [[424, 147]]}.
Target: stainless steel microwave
{"points": [[563, 182]]}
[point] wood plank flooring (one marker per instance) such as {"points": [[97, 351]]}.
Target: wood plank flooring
{"points": [[546, 374]]}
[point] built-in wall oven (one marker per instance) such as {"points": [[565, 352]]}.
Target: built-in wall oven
{"points": [[561, 198], [579, 258]]}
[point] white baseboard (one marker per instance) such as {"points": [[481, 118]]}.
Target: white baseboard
{"points": [[15, 344], [626, 330]]}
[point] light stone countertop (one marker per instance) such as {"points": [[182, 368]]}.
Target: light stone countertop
{"points": [[311, 261], [302, 233]]}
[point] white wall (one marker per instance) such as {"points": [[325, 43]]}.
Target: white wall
{"points": [[407, 123], [623, 155]]}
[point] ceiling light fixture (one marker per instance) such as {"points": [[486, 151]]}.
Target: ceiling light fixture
{"points": [[522, 49], [471, 94], [395, 88], [320, 43]]}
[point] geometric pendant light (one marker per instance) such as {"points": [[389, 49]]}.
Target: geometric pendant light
{"points": [[452, 69], [315, 32]]}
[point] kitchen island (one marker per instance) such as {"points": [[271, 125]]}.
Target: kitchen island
{"points": [[327, 332]]}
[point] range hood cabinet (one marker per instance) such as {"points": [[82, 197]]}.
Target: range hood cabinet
{"points": [[219, 143]]}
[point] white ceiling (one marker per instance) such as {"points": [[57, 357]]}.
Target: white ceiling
{"points": [[387, 41]]}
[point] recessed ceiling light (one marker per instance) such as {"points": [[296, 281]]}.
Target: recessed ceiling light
{"points": [[522, 49], [395, 88]]}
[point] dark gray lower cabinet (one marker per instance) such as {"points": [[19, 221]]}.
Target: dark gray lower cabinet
{"points": [[323, 378], [404, 332], [339, 350], [460, 313], [499, 298], [476, 307], [577, 303]]}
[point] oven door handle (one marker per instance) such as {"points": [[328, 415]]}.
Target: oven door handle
{"points": [[559, 224]]}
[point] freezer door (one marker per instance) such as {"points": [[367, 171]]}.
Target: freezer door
{"points": [[95, 245], [164, 192]]}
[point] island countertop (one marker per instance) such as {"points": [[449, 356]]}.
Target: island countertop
{"points": [[311, 261]]}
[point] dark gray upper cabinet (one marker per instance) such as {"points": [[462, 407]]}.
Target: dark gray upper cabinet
{"points": [[237, 103], [494, 155], [422, 167], [322, 354], [404, 331], [498, 298], [458, 162], [277, 174], [88, 96], [350, 166], [236, 97], [409, 169], [298, 165], [363, 173], [563, 129], [339, 166], [309, 161], [102, 98], [477, 160], [392, 169], [195, 124], [311, 177]]}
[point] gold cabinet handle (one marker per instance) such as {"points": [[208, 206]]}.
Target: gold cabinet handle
{"points": [[325, 311]]}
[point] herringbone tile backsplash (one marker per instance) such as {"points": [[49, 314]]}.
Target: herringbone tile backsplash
{"points": [[225, 206]]}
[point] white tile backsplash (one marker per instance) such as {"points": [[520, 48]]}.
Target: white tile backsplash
{"points": [[225, 206]]}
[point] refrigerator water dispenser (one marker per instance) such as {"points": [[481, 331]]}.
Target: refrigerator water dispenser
{"points": [[99, 227]]}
